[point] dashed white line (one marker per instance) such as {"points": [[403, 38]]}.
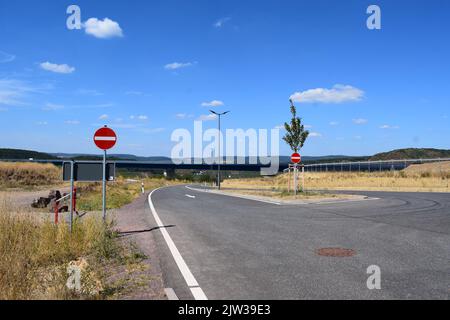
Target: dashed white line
{"points": [[192, 283], [189, 196]]}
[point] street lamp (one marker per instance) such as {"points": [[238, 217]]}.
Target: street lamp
{"points": [[218, 163]]}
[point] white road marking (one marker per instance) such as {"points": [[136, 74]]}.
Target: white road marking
{"points": [[170, 293], [235, 196], [288, 204], [189, 196], [192, 283]]}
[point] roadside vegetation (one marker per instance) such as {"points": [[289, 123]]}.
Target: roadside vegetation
{"points": [[431, 177], [36, 254], [119, 193], [28, 175]]}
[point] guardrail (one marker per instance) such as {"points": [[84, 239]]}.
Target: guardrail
{"points": [[369, 166]]}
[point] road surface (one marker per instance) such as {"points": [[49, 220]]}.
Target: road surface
{"points": [[237, 248]]}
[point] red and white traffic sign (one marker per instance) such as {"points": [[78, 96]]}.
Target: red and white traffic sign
{"points": [[296, 158], [105, 138]]}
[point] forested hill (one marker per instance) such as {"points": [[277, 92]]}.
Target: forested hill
{"points": [[412, 153], [23, 154]]}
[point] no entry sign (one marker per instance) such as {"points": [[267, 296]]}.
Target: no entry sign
{"points": [[105, 138], [296, 158]]}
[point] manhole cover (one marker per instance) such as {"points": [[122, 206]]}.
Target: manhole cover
{"points": [[335, 252]]}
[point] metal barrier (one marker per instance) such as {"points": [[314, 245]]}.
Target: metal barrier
{"points": [[368, 166], [56, 207]]}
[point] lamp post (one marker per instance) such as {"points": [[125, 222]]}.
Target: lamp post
{"points": [[218, 162]]}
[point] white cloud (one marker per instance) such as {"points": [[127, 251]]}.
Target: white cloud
{"points": [[72, 122], [183, 115], [334, 123], [125, 125], [52, 107], [6, 57], [213, 103], [102, 29], [103, 117], [41, 123], [279, 127], [337, 94], [315, 134], [3, 109], [358, 137], [308, 126], [387, 126], [177, 65], [57, 68], [360, 121], [221, 22], [207, 117], [140, 117], [13, 91]]}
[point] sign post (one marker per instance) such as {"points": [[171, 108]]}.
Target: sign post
{"points": [[295, 158], [104, 138], [71, 195]]}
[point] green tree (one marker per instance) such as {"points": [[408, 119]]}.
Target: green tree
{"points": [[295, 132]]}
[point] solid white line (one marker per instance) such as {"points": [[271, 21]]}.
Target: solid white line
{"points": [[170, 293], [235, 196], [189, 196], [192, 283], [198, 293], [105, 138]]}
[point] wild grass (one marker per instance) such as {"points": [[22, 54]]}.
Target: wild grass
{"points": [[28, 175], [430, 179], [119, 192], [35, 253]]}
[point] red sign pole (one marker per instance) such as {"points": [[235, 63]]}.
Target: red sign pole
{"points": [[295, 158], [105, 138]]}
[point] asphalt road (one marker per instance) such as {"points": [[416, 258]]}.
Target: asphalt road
{"points": [[243, 249]]}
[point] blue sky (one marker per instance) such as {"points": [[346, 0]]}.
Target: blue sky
{"points": [[149, 67]]}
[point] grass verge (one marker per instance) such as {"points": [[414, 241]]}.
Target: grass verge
{"points": [[414, 179], [28, 175], [36, 253], [119, 193]]}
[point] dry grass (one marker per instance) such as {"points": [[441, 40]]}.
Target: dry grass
{"points": [[428, 178], [119, 192], [28, 175], [35, 254], [435, 169]]}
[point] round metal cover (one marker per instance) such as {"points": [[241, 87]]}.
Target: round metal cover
{"points": [[335, 252]]}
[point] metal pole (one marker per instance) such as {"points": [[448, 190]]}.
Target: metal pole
{"points": [[295, 179], [104, 186], [289, 178], [303, 179], [71, 195], [218, 165]]}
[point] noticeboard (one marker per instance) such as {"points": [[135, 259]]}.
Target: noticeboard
{"points": [[89, 171]]}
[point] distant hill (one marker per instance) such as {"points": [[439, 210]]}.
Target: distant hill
{"points": [[412, 153], [23, 154], [113, 156]]}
